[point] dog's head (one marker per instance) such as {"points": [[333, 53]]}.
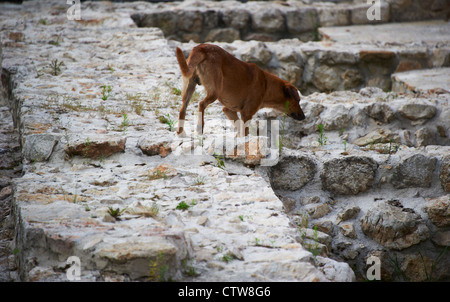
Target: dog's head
{"points": [[292, 103]]}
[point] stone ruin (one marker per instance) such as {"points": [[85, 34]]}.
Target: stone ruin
{"points": [[91, 167]]}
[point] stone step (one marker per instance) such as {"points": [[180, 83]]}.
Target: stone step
{"points": [[428, 32], [435, 80]]}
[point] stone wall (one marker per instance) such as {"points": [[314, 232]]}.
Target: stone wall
{"points": [[271, 21], [365, 190]]}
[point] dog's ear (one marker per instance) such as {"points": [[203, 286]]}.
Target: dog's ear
{"points": [[291, 91]]}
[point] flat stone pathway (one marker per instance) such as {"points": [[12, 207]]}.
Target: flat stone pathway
{"points": [[430, 32]]}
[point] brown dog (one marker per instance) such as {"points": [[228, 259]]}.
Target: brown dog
{"points": [[239, 86]]}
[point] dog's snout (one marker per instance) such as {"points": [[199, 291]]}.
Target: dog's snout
{"points": [[298, 117]]}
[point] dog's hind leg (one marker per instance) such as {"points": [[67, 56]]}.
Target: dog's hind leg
{"points": [[209, 99], [188, 90]]}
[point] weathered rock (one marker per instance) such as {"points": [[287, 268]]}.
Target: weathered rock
{"points": [[393, 227], [301, 20], [326, 78], [236, 18], [333, 16], [223, 35], [155, 147], [438, 210], [190, 21], [348, 175], [380, 112], [338, 273], [257, 53], [309, 200], [39, 147], [376, 137], [291, 73], [325, 226], [96, 148], [417, 111], [5, 192], [347, 213], [441, 238], [316, 237], [444, 175], [425, 136], [352, 78], [415, 171], [336, 117], [348, 230], [317, 210], [293, 172], [268, 20]]}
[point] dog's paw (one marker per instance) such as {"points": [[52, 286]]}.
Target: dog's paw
{"points": [[181, 133]]}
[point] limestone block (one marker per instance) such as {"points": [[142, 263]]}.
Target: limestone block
{"points": [[39, 147], [444, 175], [236, 18], [268, 20], [96, 147], [349, 175], [293, 172], [438, 210], [223, 35], [394, 227], [301, 20], [380, 112], [415, 171], [417, 111]]}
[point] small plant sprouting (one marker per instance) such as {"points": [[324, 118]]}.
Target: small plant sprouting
{"points": [[322, 138], [182, 206], [200, 180], [158, 174], [315, 249], [56, 66], [116, 212], [189, 269], [158, 271], [219, 161], [106, 92], [167, 119], [125, 123], [176, 91]]}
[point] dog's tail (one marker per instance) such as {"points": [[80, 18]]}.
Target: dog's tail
{"points": [[188, 68]]}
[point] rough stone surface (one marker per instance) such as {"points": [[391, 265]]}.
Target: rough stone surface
{"points": [[415, 171], [39, 147], [348, 175], [418, 111], [380, 112], [438, 210], [444, 174], [292, 173], [394, 227], [96, 148]]}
